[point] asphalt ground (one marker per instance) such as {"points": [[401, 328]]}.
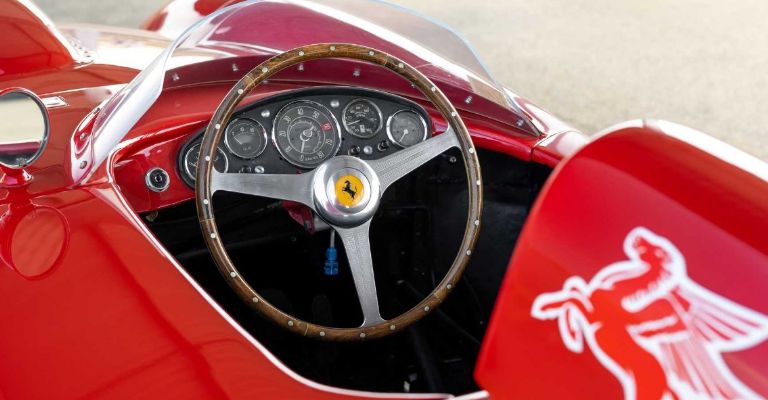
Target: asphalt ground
{"points": [[594, 63]]}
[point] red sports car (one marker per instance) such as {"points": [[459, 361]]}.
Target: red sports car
{"points": [[306, 199]]}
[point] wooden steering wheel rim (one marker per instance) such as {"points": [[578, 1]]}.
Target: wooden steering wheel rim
{"points": [[204, 200]]}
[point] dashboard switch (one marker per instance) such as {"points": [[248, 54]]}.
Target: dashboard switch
{"points": [[354, 150], [157, 180], [383, 145]]}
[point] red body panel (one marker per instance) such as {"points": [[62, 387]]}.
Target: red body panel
{"points": [[29, 44], [652, 176], [99, 310]]}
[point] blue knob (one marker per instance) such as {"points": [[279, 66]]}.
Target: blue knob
{"points": [[331, 265]]}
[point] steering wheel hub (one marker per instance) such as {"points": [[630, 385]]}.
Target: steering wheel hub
{"points": [[346, 191]]}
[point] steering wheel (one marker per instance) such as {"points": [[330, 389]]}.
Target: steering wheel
{"points": [[322, 190]]}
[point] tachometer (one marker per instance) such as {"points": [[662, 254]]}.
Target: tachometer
{"points": [[362, 118], [245, 138], [306, 133], [221, 163], [406, 128]]}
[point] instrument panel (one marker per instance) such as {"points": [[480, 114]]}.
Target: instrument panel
{"points": [[302, 129]]}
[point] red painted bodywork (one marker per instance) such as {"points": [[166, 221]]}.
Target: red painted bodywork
{"points": [[654, 175], [29, 43], [96, 308]]}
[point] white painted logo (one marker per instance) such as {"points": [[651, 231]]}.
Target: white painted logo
{"points": [[658, 332]]}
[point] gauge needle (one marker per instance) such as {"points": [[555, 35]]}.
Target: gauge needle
{"points": [[405, 133], [305, 136]]}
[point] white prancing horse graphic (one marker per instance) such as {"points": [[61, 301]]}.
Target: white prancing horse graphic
{"points": [[660, 333]]}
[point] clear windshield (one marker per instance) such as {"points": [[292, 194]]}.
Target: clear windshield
{"points": [[227, 43]]}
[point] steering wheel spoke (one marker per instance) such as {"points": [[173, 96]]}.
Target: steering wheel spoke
{"points": [[282, 187], [358, 248], [391, 168]]}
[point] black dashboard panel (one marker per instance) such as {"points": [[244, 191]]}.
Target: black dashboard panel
{"points": [[370, 139]]}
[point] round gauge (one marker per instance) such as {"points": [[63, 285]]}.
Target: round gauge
{"points": [[221, 163], [306, 133], [362, 118], [245, 138], [406, 128]]}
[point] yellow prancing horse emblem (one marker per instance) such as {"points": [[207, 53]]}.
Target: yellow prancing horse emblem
{"points": [[349, 190]]}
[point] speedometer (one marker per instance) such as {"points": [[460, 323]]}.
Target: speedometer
{"points": [[306, 133]]}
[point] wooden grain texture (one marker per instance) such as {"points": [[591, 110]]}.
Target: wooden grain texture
{"points": [[213, 135]]}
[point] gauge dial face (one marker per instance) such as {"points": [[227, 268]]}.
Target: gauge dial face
{"points": [[362, 118], [406, 128], [306, 134], [245, 138], [221, 163]]}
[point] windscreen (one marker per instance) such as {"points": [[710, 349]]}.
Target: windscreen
{"points": [[248, 33]]}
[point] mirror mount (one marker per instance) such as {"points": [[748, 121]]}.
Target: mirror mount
{"points": [[13, 177], [24, 130]]}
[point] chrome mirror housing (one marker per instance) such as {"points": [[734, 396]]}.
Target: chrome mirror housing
{"points": [[24, 128]]}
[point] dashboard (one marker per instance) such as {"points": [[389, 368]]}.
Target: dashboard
{"points": [[300, 130]]}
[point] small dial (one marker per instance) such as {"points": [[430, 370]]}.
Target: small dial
{"points": [[362, 118], [221, 163], [406, 128], [245, 138], [306, 134]]}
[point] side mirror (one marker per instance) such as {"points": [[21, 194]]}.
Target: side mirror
{"points": [[24, 128], [24, 131]]}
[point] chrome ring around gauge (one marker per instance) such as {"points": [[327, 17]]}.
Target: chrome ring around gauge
{"points": [[221, 163], [364, 120], [245, 138], [306, 133], [406, 128]]}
